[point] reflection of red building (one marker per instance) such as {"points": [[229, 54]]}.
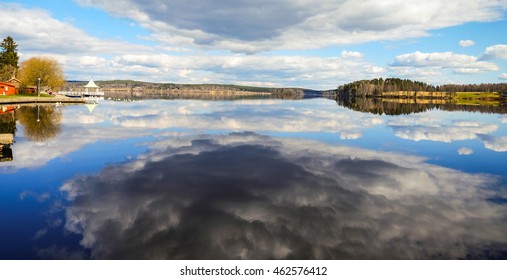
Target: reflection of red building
{"points": [[8, 108], [8, 89]]}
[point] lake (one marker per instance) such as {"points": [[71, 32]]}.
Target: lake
{"points": [[254, 179]]}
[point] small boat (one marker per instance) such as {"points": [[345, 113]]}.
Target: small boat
{"points": [[73, 94]]}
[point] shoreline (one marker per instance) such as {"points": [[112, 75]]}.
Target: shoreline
{"points": [[30, 100]]}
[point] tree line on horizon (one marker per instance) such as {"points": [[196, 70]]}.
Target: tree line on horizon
{"points": [[380, 85]]}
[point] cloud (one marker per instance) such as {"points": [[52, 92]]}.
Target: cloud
{"points": [[350, 135], [245, 26], [39, 33], [247, 196], [148, 118], [466, 43], [60, 253], [457, 131], [423, 128], [39, 197], [351, 54], [79, 130], [140, 119], [181, 37], [465, 151], [82, 55], [495, 52], [95, 61], [459, 63], [431, 75], [40, 233], [497, 144], [311, 71], [503, 76]]}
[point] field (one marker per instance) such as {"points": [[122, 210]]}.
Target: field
{"points": [[477, 98]]}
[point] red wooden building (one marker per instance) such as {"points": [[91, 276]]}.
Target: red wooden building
{"points": [[8, 89]]}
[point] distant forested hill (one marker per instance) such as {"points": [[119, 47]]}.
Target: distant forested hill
{"points": [[147, 89], [381, 86]]}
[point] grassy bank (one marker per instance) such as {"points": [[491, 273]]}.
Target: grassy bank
{"points": [[24, 96], [477, 95], [477, 98]]}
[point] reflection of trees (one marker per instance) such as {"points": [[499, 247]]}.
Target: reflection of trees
{"points": [[382, 106], [7, 128], [5, 153], [379, 107], [40, 122], [7, 123]]}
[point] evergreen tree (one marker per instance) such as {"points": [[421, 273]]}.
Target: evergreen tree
{"points": [[9, 53]]}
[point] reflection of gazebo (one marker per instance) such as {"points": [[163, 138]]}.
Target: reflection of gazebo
{"points": [[91, 106], [92, 89]]}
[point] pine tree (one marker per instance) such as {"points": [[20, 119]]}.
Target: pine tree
{"points": [[9, 53]]}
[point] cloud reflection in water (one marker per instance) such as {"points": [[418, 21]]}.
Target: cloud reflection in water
{"points": [[246, 196]]}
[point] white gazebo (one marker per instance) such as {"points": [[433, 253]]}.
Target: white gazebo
{"points": [[92, 89]]}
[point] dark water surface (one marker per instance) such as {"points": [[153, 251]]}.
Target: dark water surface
{"points": [[251, 179]]}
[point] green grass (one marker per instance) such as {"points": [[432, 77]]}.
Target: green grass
{"points": [[477, 98], [477, 102], [477, 95], [25, 96]]}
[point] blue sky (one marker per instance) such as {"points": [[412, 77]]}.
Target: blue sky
{"points": [[317, 44]]}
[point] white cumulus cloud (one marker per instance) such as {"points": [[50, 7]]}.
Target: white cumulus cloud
{"points": [[39, 33], [310, 71], [350, 135], [466, 43], [248, 196], [465, 151], [494, 52], [497, 144], [182, 33], [255, 26], [351, 54], [92, 61], [458, 63]]}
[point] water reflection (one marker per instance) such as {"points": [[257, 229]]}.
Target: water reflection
{"points": [[40, 123], [5, 153], [247, 196], [405, 106], [7, 132], [316, 118]]}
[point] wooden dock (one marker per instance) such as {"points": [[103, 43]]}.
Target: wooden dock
{"points": [[26, 100]]}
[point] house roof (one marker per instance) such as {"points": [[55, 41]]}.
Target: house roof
{"points": [[7, 83], [13, 80], [91, 84]]}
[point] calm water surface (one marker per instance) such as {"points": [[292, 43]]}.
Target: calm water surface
{"points": [[251, 179]]}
